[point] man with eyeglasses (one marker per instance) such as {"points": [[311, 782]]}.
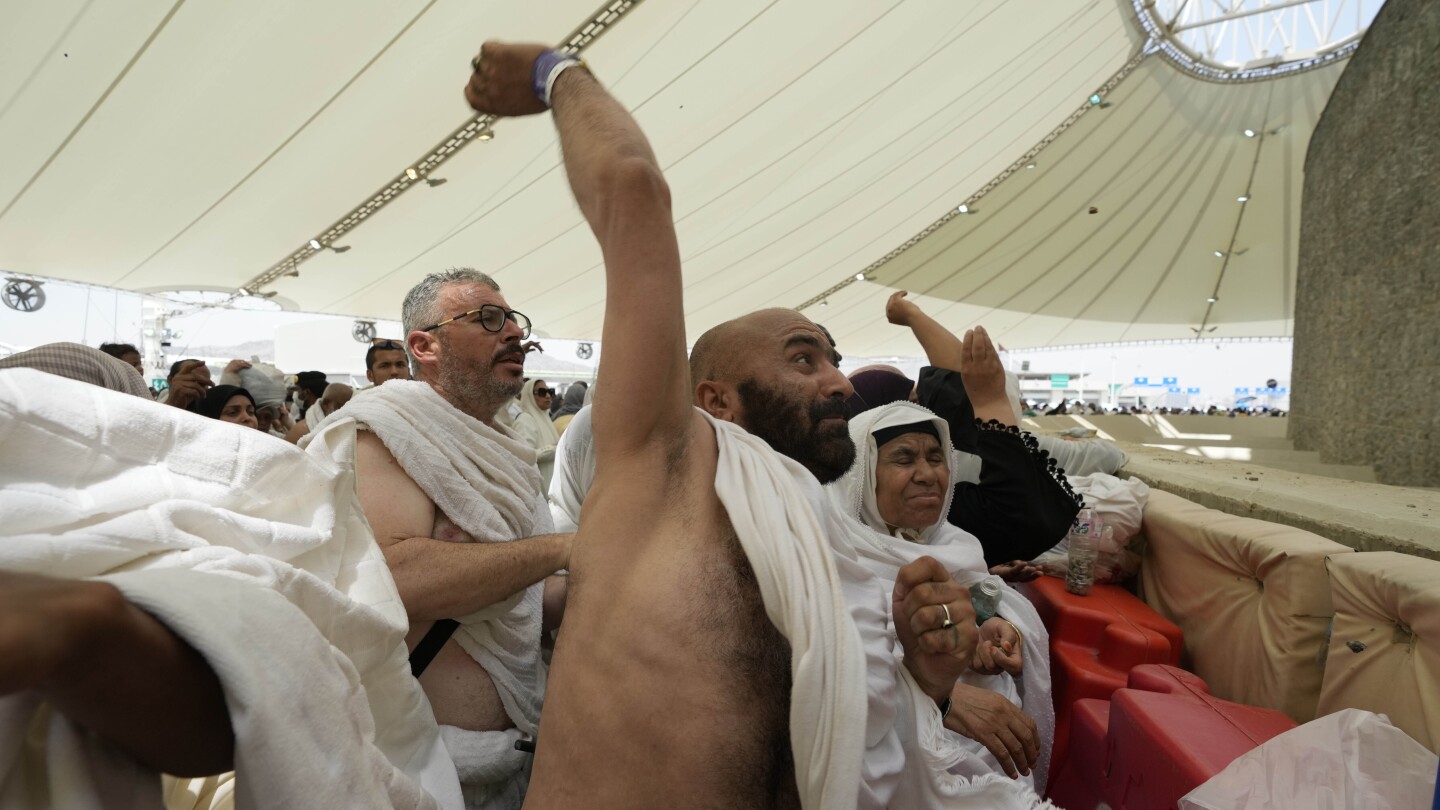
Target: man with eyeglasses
{"points": [[385, 360], [457, 506]]}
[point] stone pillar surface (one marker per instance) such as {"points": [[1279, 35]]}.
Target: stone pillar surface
{"points": [[1366, 379]]}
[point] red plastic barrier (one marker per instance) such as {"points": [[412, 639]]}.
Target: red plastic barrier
{"points": [[1095, 641], [1156, 740]]}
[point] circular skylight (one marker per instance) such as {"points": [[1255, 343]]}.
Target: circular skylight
{"points": [[1251, 39]]}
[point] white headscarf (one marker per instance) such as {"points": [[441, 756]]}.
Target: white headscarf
{"points": [[961, 554], [544, 434]]}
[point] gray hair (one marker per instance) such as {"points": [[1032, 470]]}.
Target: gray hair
{"points": [[421, 308]]}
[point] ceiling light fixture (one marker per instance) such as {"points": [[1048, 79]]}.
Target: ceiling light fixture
{"points": [[315, 245], [859, 276], [1029, 165], [1249, 133], [1095, 100], [1219, 254], [1243, 198], [963, 209], [485, 134], [412, 174], [825, 302], [1211, 299]]}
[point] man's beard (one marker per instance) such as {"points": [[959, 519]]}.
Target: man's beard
{"points": [[473, 385], [794, 430]]}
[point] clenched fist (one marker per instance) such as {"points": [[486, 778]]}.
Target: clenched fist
{"points": [[500, 83]]}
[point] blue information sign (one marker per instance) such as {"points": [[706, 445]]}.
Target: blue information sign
{"points": [[1174, 390], [1142, 380], [1170, 380], [1242, 390], [1192, 390]]}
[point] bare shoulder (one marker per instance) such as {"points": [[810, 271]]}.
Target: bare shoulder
{"points": [[396, 507]]}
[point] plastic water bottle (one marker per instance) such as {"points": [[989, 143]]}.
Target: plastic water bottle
{"points": [[1083, 544], [985, 596]]}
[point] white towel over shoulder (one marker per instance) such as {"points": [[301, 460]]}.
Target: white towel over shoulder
{"points": [[485, 480], [252, 551]]}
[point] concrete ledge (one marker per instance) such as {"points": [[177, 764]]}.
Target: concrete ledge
{"points": [[1363, 516]]}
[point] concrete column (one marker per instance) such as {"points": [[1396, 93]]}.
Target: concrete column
{"points": [[1367, 311]]}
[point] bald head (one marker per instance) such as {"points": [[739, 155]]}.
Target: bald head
{"points": [[774, 373], [724, 353], [335, 397]]}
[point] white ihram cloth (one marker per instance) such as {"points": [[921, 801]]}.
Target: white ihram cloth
{"points": [[253, 552], [574, 472], [962, 555], [486, 482], [863, 732]]}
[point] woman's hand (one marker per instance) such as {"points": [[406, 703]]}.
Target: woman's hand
{"points": [[989, 719], [999, 649], [1016, 571]]}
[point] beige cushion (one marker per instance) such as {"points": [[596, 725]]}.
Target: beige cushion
{"points": [[1389, 602], [1252, 598]]}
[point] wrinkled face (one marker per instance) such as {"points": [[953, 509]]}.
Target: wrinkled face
{"points": [[265, 418], [543, 401], [390, 364], [793, 396], [241, 411], [911, 481], [133, 358], [478, 369]]}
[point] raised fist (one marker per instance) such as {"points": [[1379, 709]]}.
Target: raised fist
{"points": [[500, 82], [898, 310]]}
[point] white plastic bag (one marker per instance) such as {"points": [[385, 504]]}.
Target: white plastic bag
{"points": [[1120, 502], [1349, 759]]}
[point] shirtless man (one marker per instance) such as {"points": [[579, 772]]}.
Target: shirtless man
{"points": [[432, 439], [671, 688]]}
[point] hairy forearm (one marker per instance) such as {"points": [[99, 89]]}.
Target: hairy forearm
{"points": [[138, 685], [443, 580], [600, 141]]}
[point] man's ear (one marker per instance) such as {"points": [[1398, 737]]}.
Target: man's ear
{"points": [[424, 347], [719, 400]]}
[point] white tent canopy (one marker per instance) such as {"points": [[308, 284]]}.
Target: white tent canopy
{"points": [[196, 145]]}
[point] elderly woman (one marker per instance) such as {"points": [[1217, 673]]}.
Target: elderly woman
{"points": [[900, 487]]}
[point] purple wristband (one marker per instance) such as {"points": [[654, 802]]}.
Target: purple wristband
{"points": [[540, 72]]}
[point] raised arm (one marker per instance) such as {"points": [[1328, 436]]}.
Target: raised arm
{"points": [[942, 348], [617, 182], [974, 357]]}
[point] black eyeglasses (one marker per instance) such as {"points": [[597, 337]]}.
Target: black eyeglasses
{"points": [[387, 344], [492, 318], [545, 392]]}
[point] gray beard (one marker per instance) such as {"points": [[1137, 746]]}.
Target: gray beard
{"points": [[475, 389]]}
